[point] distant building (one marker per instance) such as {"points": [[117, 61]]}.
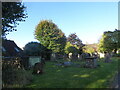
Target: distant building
{"points": [[95, 47]]}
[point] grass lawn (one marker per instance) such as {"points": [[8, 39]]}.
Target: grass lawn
{"points": [[75, 77]]}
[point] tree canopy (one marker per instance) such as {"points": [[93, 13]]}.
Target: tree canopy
{"points": [[73, 44], [69, 48], [110, 41], [74, 40], [12, 12], [33, 49], [50, 36]]}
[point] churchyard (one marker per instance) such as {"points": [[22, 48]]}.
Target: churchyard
{"points": [[64, 73], [55, 76], [61, 71], [56, 60], [59, 62]]}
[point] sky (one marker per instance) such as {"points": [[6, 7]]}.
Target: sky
{"points": [[87, 19]]}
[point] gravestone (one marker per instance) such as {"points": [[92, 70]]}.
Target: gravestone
{"points": [[78, 56], [33, 60], [53, 57], [90, 62], [107, 57], [70, 55]]}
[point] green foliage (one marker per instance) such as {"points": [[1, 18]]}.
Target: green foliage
{"points": [[74, 44], [74, 40], [88, 49], [110, 41], [69, 48], [50, 36], [72, 49], [13, 75], [34, 49], [16, 78], [12, 12]]}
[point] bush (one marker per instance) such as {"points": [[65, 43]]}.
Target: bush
{"points": [[12, 76], [16, 77], [33, 49]]}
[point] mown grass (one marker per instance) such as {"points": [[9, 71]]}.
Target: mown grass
{"points": [[75, 77]]}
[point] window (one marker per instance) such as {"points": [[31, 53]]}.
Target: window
{"points": [[3, 49], [16, 49]]}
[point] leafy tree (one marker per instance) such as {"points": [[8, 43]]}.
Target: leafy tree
{"points": [[110, 41], [74, 40], [33, 49], [50, 36], [12, 12], [71, 48], [117, 37]]}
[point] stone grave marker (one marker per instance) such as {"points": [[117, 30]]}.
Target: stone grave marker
{"points": [[33, 60], [91, 62]]}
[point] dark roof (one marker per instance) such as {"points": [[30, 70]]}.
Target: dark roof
{"points": [[9, 48]]}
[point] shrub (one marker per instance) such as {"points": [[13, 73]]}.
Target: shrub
{"points": [[14, 76], [33, 49]]}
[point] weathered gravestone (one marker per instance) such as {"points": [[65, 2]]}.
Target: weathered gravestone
{"points": [[53, 57], [70, 56], [91, 62], [33, 60], [107, 57]]}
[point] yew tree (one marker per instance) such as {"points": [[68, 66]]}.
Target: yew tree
{"points": [[33, 49]]}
